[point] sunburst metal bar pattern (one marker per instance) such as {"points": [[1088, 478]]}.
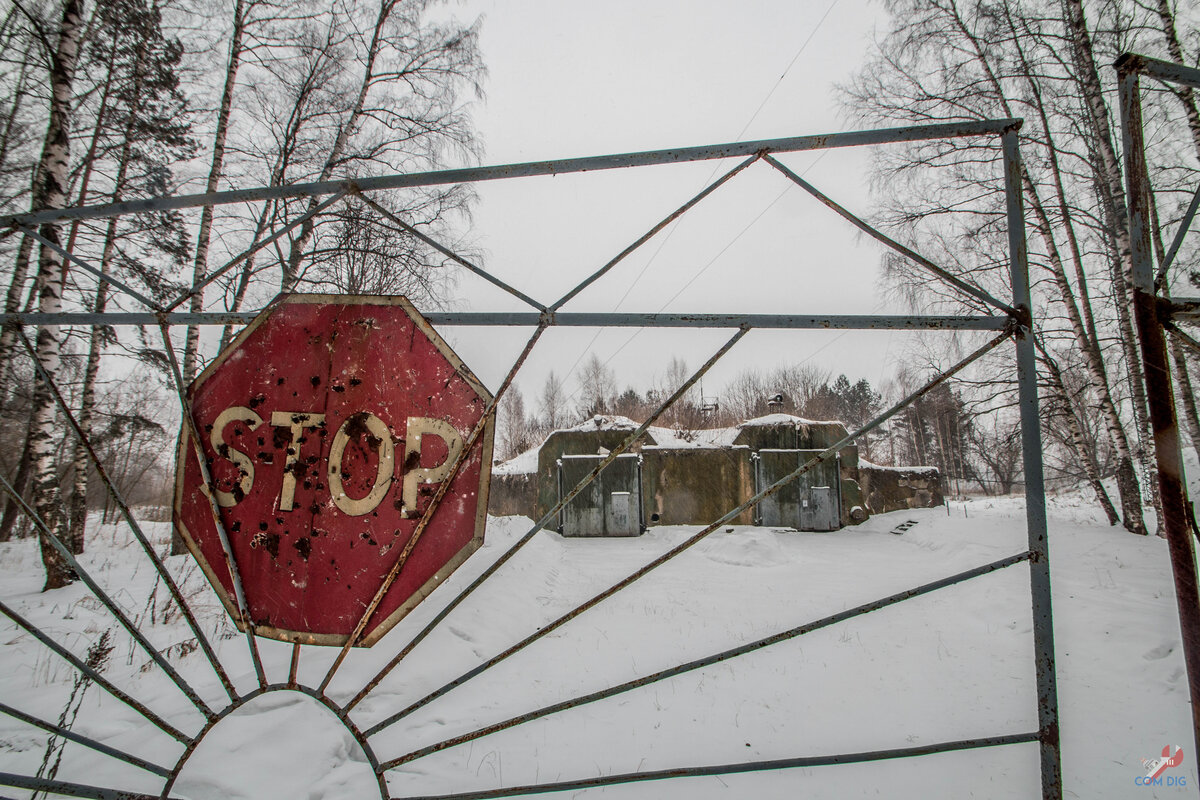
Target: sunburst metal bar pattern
{"points": [[552, 514], [717, 658], [1012, 324], [487, 417], [163, 574], [118, 613], [809, 465], [193, 436], [95, 676], [734, 769]]}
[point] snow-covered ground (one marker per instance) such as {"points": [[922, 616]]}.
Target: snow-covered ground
{"points": [[950, 665]]}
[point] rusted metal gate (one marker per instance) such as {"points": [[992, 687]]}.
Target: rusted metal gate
{"points": [[1006, 320], [1157, 314]]}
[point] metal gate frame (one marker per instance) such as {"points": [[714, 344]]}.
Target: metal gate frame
{"points": [[1156, 314], [1006, 321]]}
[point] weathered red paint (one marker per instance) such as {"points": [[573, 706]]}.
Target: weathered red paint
{"points": [[309, 572]]}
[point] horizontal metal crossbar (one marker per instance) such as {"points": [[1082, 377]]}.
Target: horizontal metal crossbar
{"points": [[566, 320], [733, 769], [911, 133]]}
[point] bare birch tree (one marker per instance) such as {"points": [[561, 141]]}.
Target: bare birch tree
{"points": [[51, 193], [952, 59]]}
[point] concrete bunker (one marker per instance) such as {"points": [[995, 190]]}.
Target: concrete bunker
{"points": [[669, 478]]}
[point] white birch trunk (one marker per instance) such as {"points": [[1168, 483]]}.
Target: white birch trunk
{"points": [[1112, 195], [51, 277]]}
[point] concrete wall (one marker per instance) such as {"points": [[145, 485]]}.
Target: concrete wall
{"points": [[695, 486], [897, 488], [513, 495]]}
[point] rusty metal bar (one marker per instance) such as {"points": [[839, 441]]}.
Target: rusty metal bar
{"points": [[132, 522], [566, 320], [189, 425], [650, 234], [99, 273], [629, 441], [1172, 491], [294, 667], [1185, 224], [67, 556], [708, 661], [910, 133], [733, 769], [1035, 492], [254, 248], [1166, 71], [829, 452], [967, 288], [431, 509], [95, 676], [80, 739], [448, 253], [70, 789]]}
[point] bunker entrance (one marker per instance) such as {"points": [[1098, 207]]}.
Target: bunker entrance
{"points": [[812, 502], [611, 505]]}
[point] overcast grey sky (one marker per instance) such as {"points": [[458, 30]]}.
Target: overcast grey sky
{"points": [[574, 79]]}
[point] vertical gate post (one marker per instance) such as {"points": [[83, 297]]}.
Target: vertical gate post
{"points": [[1035, 492], [1158, 384]]}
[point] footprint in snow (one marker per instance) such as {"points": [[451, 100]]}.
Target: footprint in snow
{"points": [[1162, 651], [460, 633]]}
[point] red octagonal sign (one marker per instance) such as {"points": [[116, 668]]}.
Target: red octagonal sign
{"points": [[327, 426]]}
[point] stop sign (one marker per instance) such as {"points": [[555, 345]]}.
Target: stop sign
{"points": [[327, 425]]}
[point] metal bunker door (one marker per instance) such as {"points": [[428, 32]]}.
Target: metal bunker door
{"points": [[811, 502], [611, 505]]}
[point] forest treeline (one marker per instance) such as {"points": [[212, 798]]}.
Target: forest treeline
{"points": [[976, 454], [131, 99]]}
